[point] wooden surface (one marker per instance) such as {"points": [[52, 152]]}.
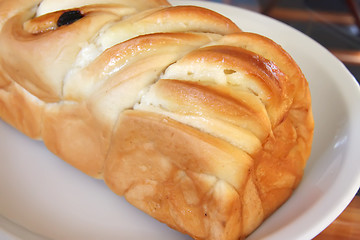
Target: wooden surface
{"points": [[346, 226]]}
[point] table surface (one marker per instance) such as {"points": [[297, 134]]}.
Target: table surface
{"points": [[336, 25], [346, 226]]}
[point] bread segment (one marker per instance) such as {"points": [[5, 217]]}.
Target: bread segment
{"points": [[181, 176], [49, 6], [35, 53], [237, 68], [202, 126], [22, 110], [113, 66], [212, 109]]}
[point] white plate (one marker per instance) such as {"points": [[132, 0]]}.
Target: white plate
{"points": [[41, 197]]}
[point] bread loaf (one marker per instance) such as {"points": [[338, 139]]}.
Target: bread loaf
{"points": [[203, 126]]}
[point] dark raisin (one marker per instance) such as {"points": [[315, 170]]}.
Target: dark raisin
{"points": [[69, 17]]}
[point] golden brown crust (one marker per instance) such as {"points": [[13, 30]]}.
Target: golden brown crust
{"points": [[49, 6], [245, 69], [165, 155], [190, 16], [34, 54], [22, 110], [126, 60], [235, 107], [202, 126], [49, 22], [10, 8], [74, 134]]}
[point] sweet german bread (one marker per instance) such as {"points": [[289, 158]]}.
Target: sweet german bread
{"points": [[203, 126]]}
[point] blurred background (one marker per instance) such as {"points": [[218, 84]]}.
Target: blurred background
{"points": [[335, 24]]}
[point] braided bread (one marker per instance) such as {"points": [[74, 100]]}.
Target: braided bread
{"points": [[203, 126]]}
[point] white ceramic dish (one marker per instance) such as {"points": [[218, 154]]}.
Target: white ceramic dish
{"points": [[41, 197]]}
